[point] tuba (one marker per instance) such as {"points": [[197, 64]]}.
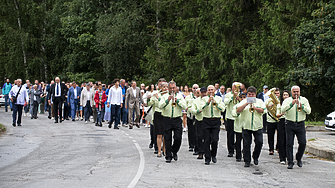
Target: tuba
{"points": [[273, 109], [237, 89]]}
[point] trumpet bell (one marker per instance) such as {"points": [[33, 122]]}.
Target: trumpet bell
{"points": [[252, 109], [174, 104]]}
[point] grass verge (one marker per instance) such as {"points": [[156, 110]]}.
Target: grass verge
{"points": [[2, 128], [315, 123]]}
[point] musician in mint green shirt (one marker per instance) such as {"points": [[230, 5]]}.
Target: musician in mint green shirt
{"points": [[252, 123]]}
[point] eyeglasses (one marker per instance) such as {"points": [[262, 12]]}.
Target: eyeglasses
{"points": [[195, 88]]}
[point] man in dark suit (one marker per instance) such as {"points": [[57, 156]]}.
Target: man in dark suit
{"points": [[58, 92], [133, 95], [123, 112]]}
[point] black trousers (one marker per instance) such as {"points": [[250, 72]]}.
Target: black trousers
{"points": [[67, 110], [17, 112], [292, 129], [247, 139], [230, 135], [281, 139], [199, 147], [58, 107], [271, 131], [238, 145], [172, 125], [224, 117], [191, 133], [34, 112], [153, 136], [211, 135], [264, 123]]}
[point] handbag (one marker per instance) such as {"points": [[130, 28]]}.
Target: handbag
{"points": [[15, 97]]}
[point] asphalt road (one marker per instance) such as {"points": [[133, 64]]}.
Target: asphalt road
{"points": [[74, 154]]}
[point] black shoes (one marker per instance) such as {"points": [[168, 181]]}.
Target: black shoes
{"points": [[201, 156], [290, 166], [56, 121], [116, 127], [246, 164], [73, 120], [190, 149], [31, 117], [230, 155], [207, 162], [96, 124], [238, 160], [109, 126], [256, 161], [6, 110], [271, 153], [19, 125], [155, 152], [175, 156], [138, 125], [196, 153], [168, 161], [130, 127], [49, 117], [214, 159], [100, 124], [14, 125], [151, 145], [299, 163]]}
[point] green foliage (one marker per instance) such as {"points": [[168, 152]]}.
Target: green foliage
{"points": [[314, 59]]}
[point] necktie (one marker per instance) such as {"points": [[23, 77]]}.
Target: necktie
{"points": [[57, 90]]}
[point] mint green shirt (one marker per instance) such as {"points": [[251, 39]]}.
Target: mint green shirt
{"points": [[229, 102], [252, 121], [208, 111], [238, 121], [291, 110], [269, 118], [196, 107], [189, 101], [168, 110]]}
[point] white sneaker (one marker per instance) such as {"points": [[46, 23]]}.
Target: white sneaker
{"points": [[185, 129], [282, 162], [86, 122], [24, 114], [77, 118], [52, 118]]}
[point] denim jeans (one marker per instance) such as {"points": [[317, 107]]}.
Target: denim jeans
{"points": [[74, 108], [87, 110], [124, 114], [115, 111], [7, 101], [99, 114], [17, 110]]}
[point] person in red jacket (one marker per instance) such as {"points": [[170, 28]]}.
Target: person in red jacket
{"points": [[99, 99]]}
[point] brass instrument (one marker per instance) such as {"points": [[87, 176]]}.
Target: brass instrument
{"points": [[251, 109], [299, 107], [273, 109], [174, 103], [237, 89], [214, 103], [163, 92]]}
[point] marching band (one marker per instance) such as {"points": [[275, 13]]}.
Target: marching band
{"points": [[243, 121]]}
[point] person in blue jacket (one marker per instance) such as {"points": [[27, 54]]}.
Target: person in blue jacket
{"points": [[5, 91], [73, 100]]}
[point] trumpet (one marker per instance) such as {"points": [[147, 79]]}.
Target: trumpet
{"points": [[163, 92], [251, 109], [214, 103], [299, 107], [173, 104]]}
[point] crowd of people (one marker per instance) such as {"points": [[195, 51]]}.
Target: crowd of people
{"points": [[169, 110]]}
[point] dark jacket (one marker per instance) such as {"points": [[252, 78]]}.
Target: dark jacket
{"points": [[62, 91], [31, 94]]}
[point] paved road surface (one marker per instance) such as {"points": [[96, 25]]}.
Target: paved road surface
{"points": [[74, 154]]}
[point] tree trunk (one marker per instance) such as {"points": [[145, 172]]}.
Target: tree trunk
{"points": [[22, 42]]}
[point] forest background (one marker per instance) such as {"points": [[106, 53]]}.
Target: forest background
{"points": [[278, 43]]}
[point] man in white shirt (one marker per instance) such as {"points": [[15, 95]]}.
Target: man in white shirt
{"points": [[86, 100], [21, 99], [115, 99]]}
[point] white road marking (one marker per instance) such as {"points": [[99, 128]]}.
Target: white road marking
{"points": [[140, 168]]}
